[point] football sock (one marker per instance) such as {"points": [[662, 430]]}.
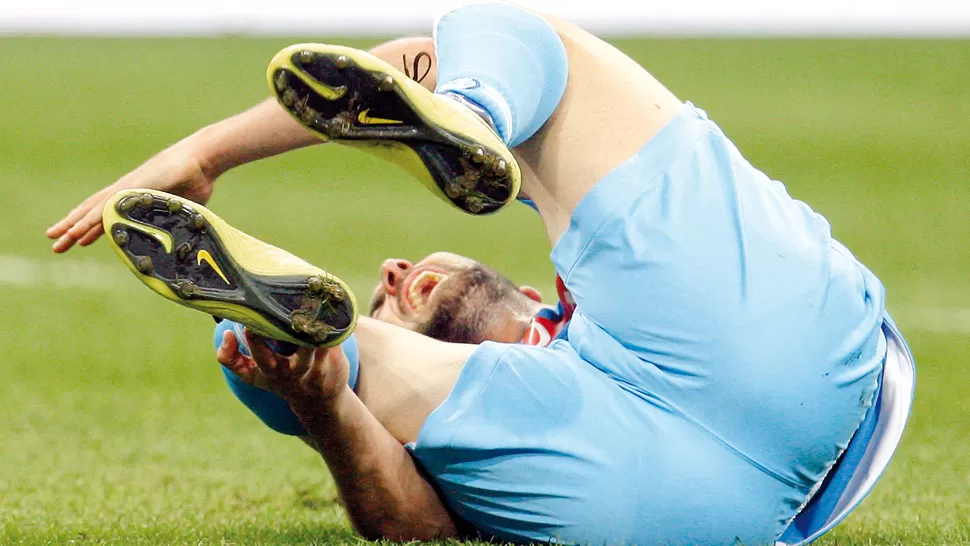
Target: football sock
{"points": [[505, 59]]}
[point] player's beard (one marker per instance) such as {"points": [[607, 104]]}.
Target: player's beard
{"points": [[474, 303]]}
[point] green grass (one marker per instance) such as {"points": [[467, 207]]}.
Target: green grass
{"points": [[115, 425]]}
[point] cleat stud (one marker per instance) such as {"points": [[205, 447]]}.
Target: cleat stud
{"points": [[315, 284], [143, 264], [174, 206], [478, 156], [337, 294], [453, 191], [197, 223], [306, 57], [308, 116], [127, 204], [338, 128], [299, 323], [289, 97], [386, 83], [342, 62], [186, 289], [474, 204], [147, 200], [282, 80], [182, 251], [501, 168], [121, 237]]}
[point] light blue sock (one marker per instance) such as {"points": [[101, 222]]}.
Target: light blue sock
{"points": [[271, 409], [505, 59]]}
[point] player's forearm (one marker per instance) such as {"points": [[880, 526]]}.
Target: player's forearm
{"points": [[262, 131], [385, 495]]}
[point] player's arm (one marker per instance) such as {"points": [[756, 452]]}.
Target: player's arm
{"points": [[384, 493], [191, 166], [267, 130]]}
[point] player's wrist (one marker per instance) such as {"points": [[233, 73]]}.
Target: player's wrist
{"points": [[202, 150], [320, 412]]}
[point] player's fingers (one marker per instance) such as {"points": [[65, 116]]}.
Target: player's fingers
{"points": [[91, 219], [79, 223], [303, 361], [314, 373], [92, 235], [331, 356], [57, 229], [229, 356], [269, 363], [63, 244], [65, 223], [78, 212], [228, 352], [324, 372]]}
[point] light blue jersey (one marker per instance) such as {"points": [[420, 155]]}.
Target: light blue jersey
{"points": [[723, 351]]}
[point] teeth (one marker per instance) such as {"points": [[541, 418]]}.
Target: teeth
{"points": [[416, 293]]}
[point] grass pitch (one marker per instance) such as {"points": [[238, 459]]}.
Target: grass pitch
{"points": [[115, 425]]}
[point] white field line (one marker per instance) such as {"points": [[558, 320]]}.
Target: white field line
{"points": [[62, 272], [94, 275]]}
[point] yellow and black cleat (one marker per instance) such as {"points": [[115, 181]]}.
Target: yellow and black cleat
{"points": [[189, 255], [349, 96]]}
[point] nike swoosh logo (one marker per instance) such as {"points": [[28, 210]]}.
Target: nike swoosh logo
{"points": [[204, 256], [367, 120]]}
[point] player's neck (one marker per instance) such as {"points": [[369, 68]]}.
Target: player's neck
{"points": [[515, 327]]}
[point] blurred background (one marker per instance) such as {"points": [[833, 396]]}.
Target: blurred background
{"points": [[115, 425]]}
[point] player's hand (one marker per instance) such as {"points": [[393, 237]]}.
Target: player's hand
{"points": [[310, 377], [174, 170]]}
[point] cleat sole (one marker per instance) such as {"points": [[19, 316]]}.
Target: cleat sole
{"points": [[351, 97], [191, 256], [183, 250]]}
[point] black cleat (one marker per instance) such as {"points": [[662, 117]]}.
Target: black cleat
{"points": [[189, 255], [347, 95]]}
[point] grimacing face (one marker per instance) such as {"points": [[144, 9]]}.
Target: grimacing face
{"points": [[448, 297]]}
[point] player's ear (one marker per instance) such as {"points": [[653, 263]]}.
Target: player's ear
{"points": [[531, 293]]}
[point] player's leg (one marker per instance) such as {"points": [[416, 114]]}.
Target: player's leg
{"points": [[611, 108], [697, 278], [501, 70], [702, 284], [573, 107]]}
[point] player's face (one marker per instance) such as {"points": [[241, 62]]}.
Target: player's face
{"points": [[444, 296]]}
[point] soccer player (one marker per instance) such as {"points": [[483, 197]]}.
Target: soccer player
{"points": [[713, 352]]}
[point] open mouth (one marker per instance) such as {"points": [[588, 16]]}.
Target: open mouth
{"points": [[421, 286]]}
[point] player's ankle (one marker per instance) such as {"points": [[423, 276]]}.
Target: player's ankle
{"points": [[475, 108], [507, 60]]}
